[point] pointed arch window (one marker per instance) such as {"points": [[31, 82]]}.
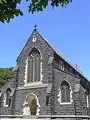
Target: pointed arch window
{"points": [[61, 65], [8, 97], [65, 92], [34, 66], [87, 98]]}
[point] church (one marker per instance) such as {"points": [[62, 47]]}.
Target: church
{"points": [[45, 83]]}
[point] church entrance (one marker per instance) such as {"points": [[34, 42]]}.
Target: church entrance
{"points": [[31, 105]]}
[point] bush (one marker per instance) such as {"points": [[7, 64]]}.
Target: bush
{"points": [[5, 75]]}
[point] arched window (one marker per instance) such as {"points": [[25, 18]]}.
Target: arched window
{"points": [[34, 66], [8, 98], [65, 92], [87, 98], [61, 65], [0, 93]]}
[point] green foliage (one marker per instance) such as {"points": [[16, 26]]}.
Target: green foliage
{"points": [[8, 8], [40, 5], [5, 75]]}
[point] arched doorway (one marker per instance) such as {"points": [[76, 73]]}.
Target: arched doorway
{"points": [[31, 105], [32, 102]]}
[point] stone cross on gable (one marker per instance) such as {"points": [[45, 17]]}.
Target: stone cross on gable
{"points": [[35, 27]]}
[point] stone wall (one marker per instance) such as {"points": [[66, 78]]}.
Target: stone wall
{"points": [[21, 95], [68, 109]]}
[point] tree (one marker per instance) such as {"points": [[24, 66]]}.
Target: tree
{"points": [[9, 9], [5, 75]]}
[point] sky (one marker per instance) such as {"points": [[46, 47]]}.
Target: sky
{"points": [[66, 29]]}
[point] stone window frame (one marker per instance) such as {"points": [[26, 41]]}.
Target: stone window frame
{"points": [[34, 38], [87, 100], [0, 94], [61, 65], [26, 71], [5, 98], [59, 95]]}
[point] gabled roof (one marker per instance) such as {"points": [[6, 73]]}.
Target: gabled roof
{"points": [[34, 32], [59, 54]]}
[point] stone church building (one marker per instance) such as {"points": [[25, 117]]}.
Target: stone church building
{"points": [[44, 83]]}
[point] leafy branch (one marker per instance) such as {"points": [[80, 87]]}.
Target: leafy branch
{"points": [[9, 9]]}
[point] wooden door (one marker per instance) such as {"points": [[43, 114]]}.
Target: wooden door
{"points": [[33, 107]]}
